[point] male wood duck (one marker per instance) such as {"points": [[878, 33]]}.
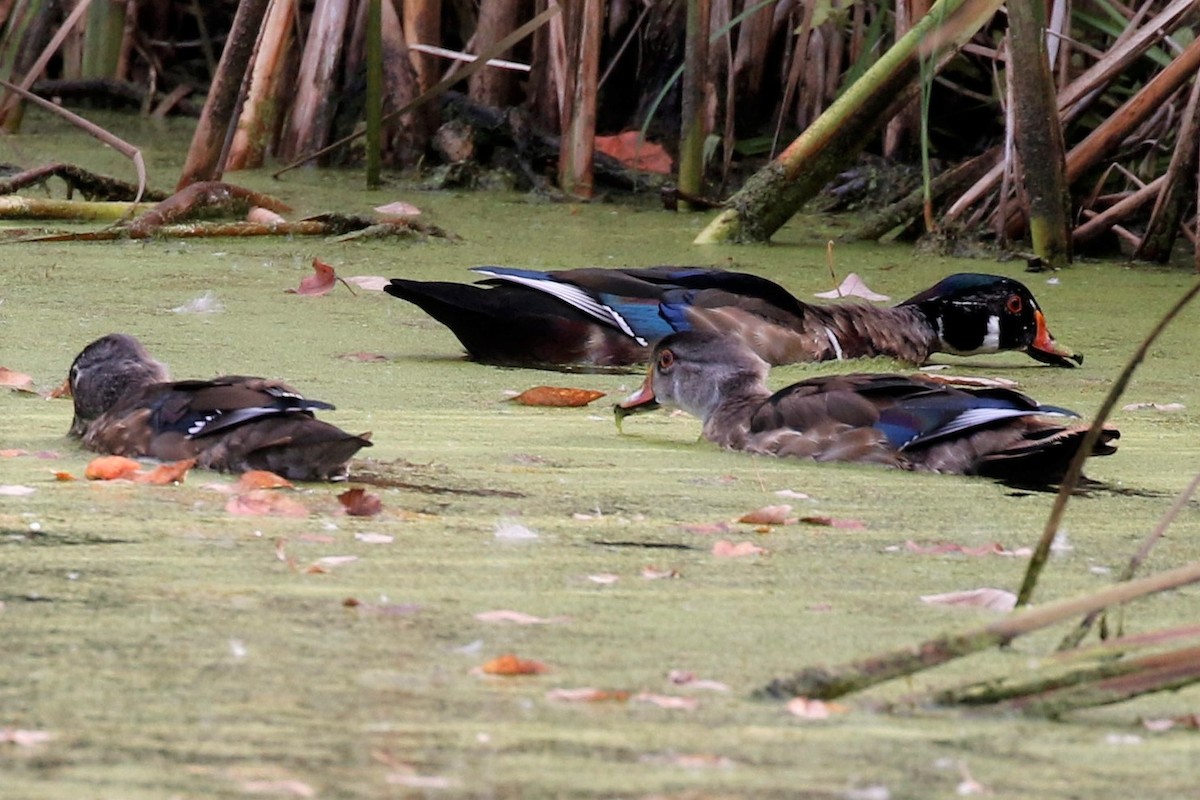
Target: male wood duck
{"points": [[894, 420], [611, 317], [125, 404]]}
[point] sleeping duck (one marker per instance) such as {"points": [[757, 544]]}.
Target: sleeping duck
{"points": [[893, 420], [125, 404], [611, 317]]}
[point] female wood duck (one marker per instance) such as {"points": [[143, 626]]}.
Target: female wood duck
{"points": [[897, 421], [611, 317], [126, 405]]}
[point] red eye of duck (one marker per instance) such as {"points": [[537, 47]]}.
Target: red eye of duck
{"points": [[1014, 304], [665, 359]]}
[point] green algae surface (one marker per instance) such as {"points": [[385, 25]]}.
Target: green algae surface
{"points": [[172, 649]]}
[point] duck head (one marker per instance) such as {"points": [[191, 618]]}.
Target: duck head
{"points": [[696, 371], [104, 371], [973, 313]]}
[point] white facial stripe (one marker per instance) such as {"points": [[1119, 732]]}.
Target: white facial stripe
{"points": [[991, 339]]}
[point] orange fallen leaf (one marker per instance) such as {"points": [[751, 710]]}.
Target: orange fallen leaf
{"points": [[358, 503], [165, 474], [261, 479], [727, 549], [111, 468], [588, 694], [834, 522], [635, 152], [15, 380], [263, 502], [769, 515], [317, 284], [62, 390], [509, 664], [557, 396], [64, 476]]}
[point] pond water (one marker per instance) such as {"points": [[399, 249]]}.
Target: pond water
{"points": [[175, 650]]}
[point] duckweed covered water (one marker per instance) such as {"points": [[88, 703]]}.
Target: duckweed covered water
{"points": [[173, 651]]}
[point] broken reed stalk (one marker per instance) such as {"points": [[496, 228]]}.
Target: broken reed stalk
{"points": [[1072, 639], [1042, 552], [112, 140], [466, 71], [826, 683], [374, 98]]}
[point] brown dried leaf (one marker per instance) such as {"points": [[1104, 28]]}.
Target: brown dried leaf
{"points": [[992, 599], [62, 390], [15, 380], [111, 468], [321, 282], [557, 396], [769, 515], [834, 522], [509, 664], [165, 474], [727, 549], [358, 503], [939, 548], [632, 150], [265, 503]]}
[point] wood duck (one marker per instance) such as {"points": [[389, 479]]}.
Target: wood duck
{"points": [[894, 420], [125, 404], [611, 317]]}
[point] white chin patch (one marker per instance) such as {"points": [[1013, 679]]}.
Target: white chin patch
{"points": [[990, 343]]}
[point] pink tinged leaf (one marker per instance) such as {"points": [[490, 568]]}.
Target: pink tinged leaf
{"points": [[374, 538], [588, 694], [853, 286], [14, 490], [667, 701], [24, 738], [681, 677], [517, 618], [652, 573], [991, 599], [398, 210], [806, 708], [15, 380], [263, 216], [280, 788], [319, 283], [769, 515], [834, 522], [264, 502], [420, 781], [727, 549], [708, 528], [371, 283], [791, 494]]}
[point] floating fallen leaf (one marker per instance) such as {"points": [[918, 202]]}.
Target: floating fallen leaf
{"points": [[806, 708], [398, 209], [557, 396], [265, 503], [24, 738], [111, 468], [166, 474], [588, 694], [1153, 407], [667, 701], [691, 761], [263, 216], [939, 548], [708, 528], [968, 380], [507, 529], [1188, 721], [12, 490], [853, 286], [374, 538], [15, 380], [261, 479], [13, 452], [992, 599], [357, 502], [834, 522], [62, 390], [681, 677], [326, 564], [370, 283], [383, 609], [509, 664], [64, 476], [633, 151], [604, 578], [792, 495], [655, 574], [420, 781], [769, 515], [363, 357], [517, 618], [319, 283], [287, 788], [727, 549]]}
